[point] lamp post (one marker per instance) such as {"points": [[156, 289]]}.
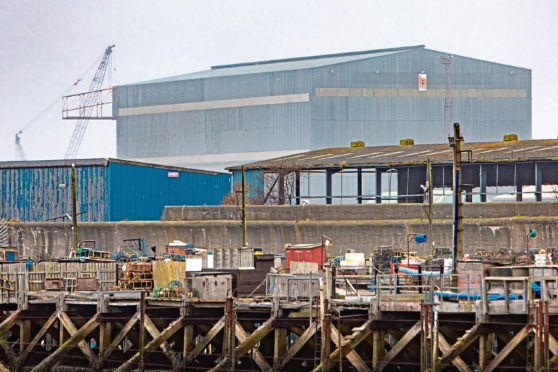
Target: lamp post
{"points": [[419, 238], [531, 234], [325, 243]]}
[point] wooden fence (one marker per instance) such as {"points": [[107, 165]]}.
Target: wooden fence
{"points": [[16, 277]]}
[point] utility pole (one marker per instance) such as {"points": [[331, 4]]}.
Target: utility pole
{"points": [[455, 143], [74, 208], [244, 243], [430, 201], [446, 61]]}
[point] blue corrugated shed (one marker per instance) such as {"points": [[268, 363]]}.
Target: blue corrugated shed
{"points": [[108, 189]]}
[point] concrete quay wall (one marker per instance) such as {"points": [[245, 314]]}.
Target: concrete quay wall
{"points": [[358, 212], [55, 239]]}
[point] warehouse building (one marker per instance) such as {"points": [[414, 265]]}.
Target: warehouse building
{"points": [[233, 114], [508, 170], [107, 189]]}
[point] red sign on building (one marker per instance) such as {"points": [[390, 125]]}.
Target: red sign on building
{"points": [[422, 82]]}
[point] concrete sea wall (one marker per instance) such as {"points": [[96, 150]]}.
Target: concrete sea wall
{"points": [[365, 227]]}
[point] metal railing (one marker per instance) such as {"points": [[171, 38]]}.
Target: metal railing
{"points": [[464, 286], [511, 290]]}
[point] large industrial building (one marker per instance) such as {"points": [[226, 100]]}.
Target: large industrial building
{"points": [[106, 189], [244, 112]]}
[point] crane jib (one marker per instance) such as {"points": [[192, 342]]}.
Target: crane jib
{"points": [[81, 125]]}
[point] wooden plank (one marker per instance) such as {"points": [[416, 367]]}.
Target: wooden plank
{"points": [[189, 341], [37, 338], [249, 343], [164, 345], [257, 356], [552, 344], [353, 357], [105, 330], [445, 347], [350, 343], [295, 348], [171, 329], [24, 334], [72, 330], [217, 327], [485, 349], [117, 340], [72, 341], [377, 347], [516, 340], [407, 337], [9, 322], [506, 338], [461, 345], [280, 341]]}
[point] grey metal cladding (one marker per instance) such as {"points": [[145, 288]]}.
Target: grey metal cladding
{"points": [[491, 99]]}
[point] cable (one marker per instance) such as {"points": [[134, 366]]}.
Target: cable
{"points": [[31, 122]]}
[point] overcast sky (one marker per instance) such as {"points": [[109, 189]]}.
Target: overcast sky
{"points": [[45, 46]]}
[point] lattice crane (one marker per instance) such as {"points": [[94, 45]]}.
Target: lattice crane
{"points": [[89, 105], [19, 153]]}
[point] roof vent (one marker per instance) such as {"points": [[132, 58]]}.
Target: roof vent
{"points": [[510, 137], [406, 142], [357, 143]]}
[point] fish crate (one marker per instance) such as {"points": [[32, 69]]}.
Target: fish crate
{"points": [[53, 284], [87, 284]]}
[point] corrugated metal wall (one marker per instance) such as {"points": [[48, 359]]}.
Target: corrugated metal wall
{"points": [[325, 120], [117, 192], [141, 192], [384, 120], [224, 130], [38, 194]]}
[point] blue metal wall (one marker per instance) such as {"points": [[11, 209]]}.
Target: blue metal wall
{"points": [[107, 190], [41, 193], [253, 181], [141, 192]]}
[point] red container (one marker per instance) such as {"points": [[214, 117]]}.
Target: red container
{"points": [[305, 253]]}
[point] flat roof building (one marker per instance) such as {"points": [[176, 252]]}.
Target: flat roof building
{"points": [[491, 171]]}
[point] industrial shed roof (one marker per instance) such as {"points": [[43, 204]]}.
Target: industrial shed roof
{"points": [[335, 157], [284, 64], [99, 162]]}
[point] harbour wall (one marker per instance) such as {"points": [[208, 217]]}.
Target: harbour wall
{"points": [[359, 227]]}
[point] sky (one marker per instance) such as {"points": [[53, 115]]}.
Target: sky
{"points": [[45, 46]]}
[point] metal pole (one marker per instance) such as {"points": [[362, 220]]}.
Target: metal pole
{"points": [[430, 202], [74, 208], [244, 243]]}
